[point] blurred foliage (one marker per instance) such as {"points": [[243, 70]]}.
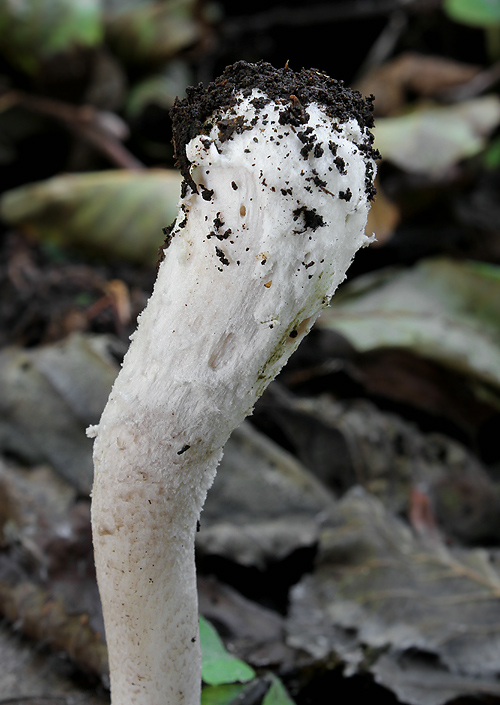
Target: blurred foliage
{"points": [[218, 666], [153, 32], [431, 139], [32, 31], [115, 213], [442, 309], [479, 13]]}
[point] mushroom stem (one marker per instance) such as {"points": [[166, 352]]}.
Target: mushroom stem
{"points": [[278, 171]]}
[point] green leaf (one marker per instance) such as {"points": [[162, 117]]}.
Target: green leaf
{"points": [[491, 157], [445, 310], [477, 13], [221, 694], [115, 213], [153, 32], [34, 30], [277, 694], [218, 666]]}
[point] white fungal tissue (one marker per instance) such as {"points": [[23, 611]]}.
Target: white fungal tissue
{"points": [[273, 209], [267, 237]]}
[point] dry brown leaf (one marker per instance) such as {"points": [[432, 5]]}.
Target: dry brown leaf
{"points": [[257, 518], [39, 677], [49, 396], [413, 74], [379, 591], [383, 217]]}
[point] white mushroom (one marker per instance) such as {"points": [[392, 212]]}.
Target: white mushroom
{"points": [[278, 171]]}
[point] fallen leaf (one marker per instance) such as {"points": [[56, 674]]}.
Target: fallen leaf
{"points": [[377, 590], [45, 541], [352, 442], [260, 517], [419, 679], [153, 32], [36, 30], [49, 396], [413, 74], [432, 139], [444, 310], [37, 677], [451, 401], [111, 213], [32, 502], [255, 632]]}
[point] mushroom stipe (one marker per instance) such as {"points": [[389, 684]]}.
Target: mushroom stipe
{"points": [[278, 170]]}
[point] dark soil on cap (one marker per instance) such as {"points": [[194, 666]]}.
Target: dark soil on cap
{"points": [[294, 90]]}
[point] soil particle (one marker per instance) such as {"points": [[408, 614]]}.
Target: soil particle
{"points": [[340, 164], [312, 220], [206, 193], [167, 231], [221, 255], [218, 222]]}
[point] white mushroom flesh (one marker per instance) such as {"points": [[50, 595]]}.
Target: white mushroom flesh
{"points": [[254, 256]]}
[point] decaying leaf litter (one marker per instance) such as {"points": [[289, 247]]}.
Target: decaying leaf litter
{"points": [[353, 526]]}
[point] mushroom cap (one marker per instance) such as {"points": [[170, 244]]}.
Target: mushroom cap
{"points": [[294, 91]]}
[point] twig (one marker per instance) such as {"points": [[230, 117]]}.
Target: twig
{"points": [[480, 83], [384, 45], [44, 618], [102, 130], [311, 15]]}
